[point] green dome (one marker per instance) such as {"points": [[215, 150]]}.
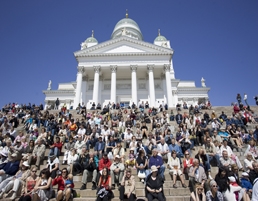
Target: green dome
{"points": [[91, 40], [160, 38], [129, 25]]}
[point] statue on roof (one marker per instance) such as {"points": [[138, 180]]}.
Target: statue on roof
{"points": [[83, 45], [49, 85]]}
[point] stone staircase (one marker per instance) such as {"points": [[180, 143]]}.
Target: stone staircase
{"points": [[172, 194]]}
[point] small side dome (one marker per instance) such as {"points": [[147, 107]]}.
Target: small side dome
{"points": [[160, 37], [91, 39], [89, 42]]}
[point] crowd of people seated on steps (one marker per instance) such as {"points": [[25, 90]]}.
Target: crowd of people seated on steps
{"points": [[107, 146]]}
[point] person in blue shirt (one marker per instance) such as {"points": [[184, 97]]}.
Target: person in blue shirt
{"points": [[177, 148], [245, 183], [157, 160]]}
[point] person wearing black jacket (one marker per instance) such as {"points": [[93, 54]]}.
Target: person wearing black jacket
{"points": [[80, 165], [222, 179], [253, 174], [90, 169], [154, 185]]}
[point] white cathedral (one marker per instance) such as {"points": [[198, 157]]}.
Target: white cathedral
{"points": [[126, 69]]}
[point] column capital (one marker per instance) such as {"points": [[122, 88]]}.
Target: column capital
{"points": [[150, 67], [80, 69], [166, 67], [113, 68], [96, 69], [133, 68]]}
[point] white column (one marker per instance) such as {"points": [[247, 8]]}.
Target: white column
{"points": [[78, 86], [113, 84], [134, 84], [168, 84], [95, 96], [151, 86], [84, 89]]}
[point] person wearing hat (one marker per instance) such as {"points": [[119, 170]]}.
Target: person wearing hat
{"points": [[10, 168], [15, 182], [246, 184], [213, 193], [99, 147], [53, 165], [234, 192], [3, 159], [117, 171], [154, 185]]}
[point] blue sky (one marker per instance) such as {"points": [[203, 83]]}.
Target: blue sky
{"points": [[214, 39]]}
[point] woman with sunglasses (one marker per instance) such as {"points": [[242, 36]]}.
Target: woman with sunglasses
{"points": [[187, 163], [29, 185], [213, 194], [63, 190], [43, 188], [198, 194]]}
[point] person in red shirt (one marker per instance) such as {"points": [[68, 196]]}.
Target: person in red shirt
{"points": [[56, 147], [64, 185], [187, 163], [104, 162]]}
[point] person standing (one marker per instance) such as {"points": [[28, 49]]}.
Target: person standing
{"points": [[239, 99], [57, 104], [245, 99]]}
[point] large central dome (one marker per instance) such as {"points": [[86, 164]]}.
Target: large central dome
{"points": [[127, 27]]}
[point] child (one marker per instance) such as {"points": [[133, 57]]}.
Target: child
{"points": [[68, 183], [131, 159]]}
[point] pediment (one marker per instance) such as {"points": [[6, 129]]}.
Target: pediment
{"points": [[123, 45]]}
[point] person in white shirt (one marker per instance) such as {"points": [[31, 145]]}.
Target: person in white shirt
{"points": [[105, 132], [248, 162], [245, 99], [225, 146], [175, 169], [13, 132], [163, 149], [79, 144], [81, 130], [127, 137], [255, 190], [215, 125]]}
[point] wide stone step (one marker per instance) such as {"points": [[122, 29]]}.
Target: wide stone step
{"points": [[139, 192], [138, 185]]}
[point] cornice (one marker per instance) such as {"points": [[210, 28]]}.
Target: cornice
{"points": [[59, 92], [124, 54], [117, 40], [193, 89]]}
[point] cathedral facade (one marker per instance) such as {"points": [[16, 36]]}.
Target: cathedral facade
{"points": [[126, 69]]}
